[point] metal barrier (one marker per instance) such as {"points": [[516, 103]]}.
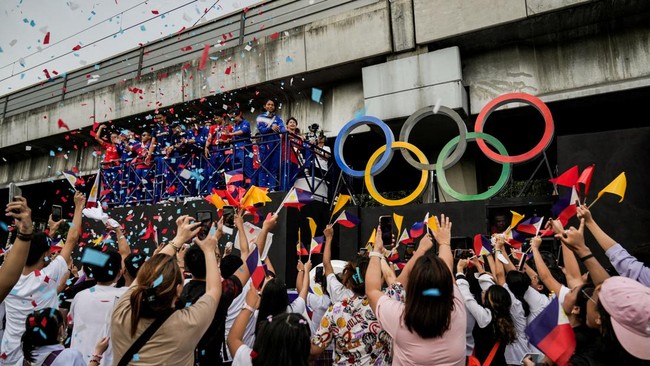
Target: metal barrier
{"points": [[277, 165]]}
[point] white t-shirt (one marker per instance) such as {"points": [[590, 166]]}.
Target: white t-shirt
{"points": [[243, 356], [337, 291], [298, 306], [233, 311], [67, 357], [318, 306], [90, 313], [34, 291], [2, 319]]}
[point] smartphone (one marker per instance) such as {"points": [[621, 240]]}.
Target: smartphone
{"points": [[408, 252], [14, 191], [57, 213], [537, 358], [463, 253], [386, 226], [229, 216], [205, 218], [363, 251]]}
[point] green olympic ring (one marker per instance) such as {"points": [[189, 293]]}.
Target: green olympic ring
{"points": [[472, 136]]}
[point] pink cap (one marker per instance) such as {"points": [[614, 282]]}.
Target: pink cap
{"points": [[628, 304]]}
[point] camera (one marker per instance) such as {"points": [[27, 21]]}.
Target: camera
{"points": [[313, 127]]}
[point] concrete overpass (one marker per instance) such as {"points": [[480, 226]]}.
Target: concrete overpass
{"points": [[385, 57]]}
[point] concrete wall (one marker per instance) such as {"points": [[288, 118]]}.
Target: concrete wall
{"points": [[581, 67], [439, 19]]}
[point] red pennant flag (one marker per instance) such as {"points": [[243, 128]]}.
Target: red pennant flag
{"points": [[585, 178], [568, 178], [47, 38]]}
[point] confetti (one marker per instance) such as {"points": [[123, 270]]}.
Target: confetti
{"points": [[204, 56], [158, 281], [47, 38], [94, 257], [316, 94]]}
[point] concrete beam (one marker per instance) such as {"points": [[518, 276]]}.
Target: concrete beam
{"points": [[582, 67], [438, 19]]}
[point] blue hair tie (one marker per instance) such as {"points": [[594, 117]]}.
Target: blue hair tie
{"points": [[357, 277]]}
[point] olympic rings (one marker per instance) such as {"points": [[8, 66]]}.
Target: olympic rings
{"points": [[370, 184], [419, 115], [345, 132], [501, 182], [446, 158], [549, 127]]}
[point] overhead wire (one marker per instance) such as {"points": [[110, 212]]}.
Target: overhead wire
{"points": [[99, 40]]}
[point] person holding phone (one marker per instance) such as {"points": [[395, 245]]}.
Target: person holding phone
{"points": [[428, 327], [15, 259], [32, 291]]}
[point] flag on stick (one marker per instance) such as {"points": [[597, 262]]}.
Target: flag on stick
{"points": [[585, 179], [341, 200], [552, 334], [617, 187], [405, 238], [93, 196], [567, 179], [482, 245], [347, 219]]}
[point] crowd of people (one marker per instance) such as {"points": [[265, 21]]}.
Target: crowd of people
{"points": [[190, 304], [173, 159]]}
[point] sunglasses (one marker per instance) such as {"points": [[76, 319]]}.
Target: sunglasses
{"points": [[588, 296]]}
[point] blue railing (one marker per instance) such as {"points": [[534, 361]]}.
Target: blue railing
{"points": [[275, 161]]}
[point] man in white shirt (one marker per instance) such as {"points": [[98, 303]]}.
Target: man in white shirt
{"points": [[37, 287], [91, 309]]}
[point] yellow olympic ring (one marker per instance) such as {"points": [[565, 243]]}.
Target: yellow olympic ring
{"points": [[369, 179]]}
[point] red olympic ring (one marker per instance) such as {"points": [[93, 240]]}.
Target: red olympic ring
{"points": [[533, 101]]}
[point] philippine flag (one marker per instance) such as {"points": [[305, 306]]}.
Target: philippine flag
{"points": [[551, 332], [348, 220], [417, 229], [482, 245], [531, 226], [255, 268]]}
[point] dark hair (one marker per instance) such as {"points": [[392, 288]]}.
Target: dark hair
{"points": [[581, 300], [274, 300], [498, 301], [133, 262], [292, 119], [612, 345], [429, 316], [518, 283], [151, 300], [41, 329], [195, 261], [110, 270], [37, 248], [354, 273], [282, 340], [229, 264]]}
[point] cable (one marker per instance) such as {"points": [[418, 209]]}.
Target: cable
{"points": [[73, 35], [98, 40], [205, 12]]}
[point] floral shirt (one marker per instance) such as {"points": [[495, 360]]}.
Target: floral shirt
{"points": [[358, 338]]}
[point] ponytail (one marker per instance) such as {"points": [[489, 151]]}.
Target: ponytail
{"points": [[155, 290], [41, 329]]}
